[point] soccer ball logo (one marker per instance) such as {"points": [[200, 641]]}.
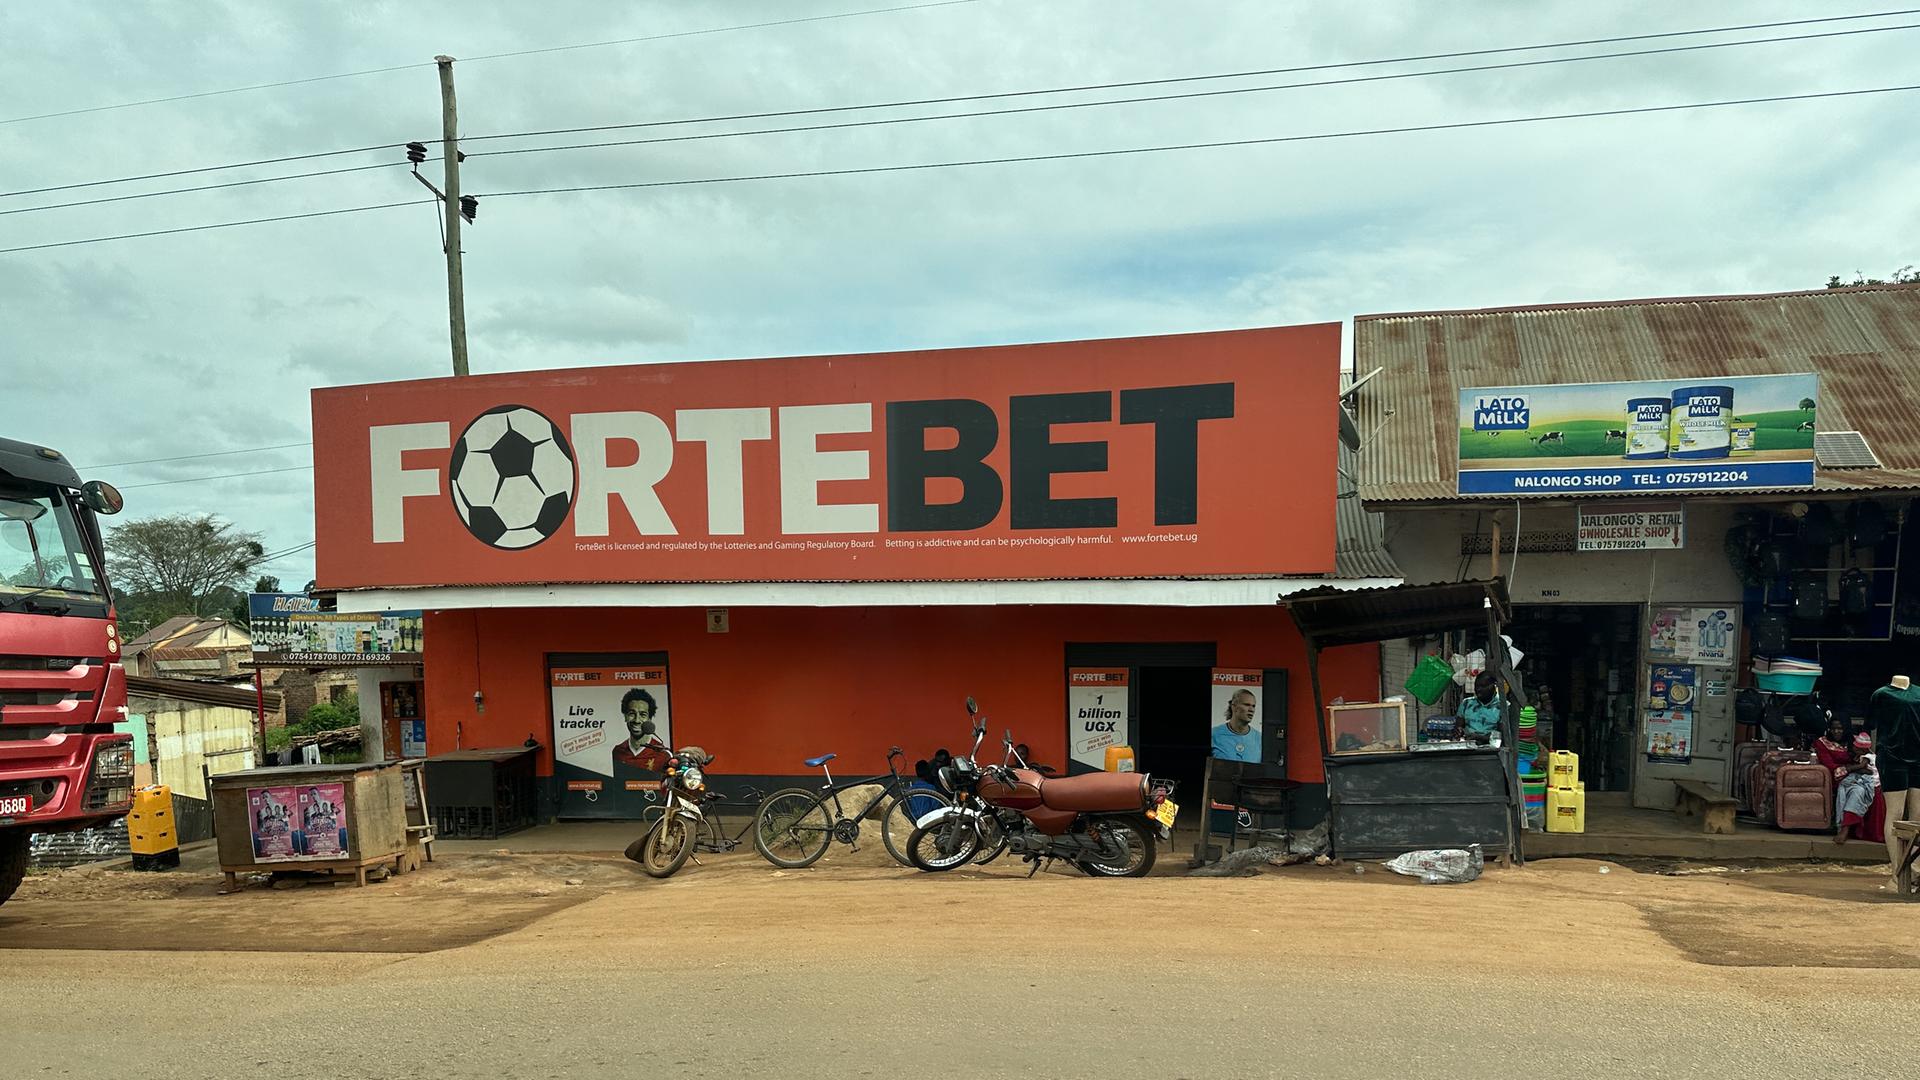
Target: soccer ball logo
{"points": [[512, 477]]}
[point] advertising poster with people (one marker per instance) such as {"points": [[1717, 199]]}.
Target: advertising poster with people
{"points": [[1096, 713], [1236, 714], [323, 821], [1670, 694], [270, 818], [610, 724]]}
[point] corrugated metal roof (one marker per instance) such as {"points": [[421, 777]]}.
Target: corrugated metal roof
{"points": [[206, 693], [1329, 617], [1864, 343], [1360, 536]]}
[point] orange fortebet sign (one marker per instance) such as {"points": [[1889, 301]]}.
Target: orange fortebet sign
{"points": [[1135, 457]]}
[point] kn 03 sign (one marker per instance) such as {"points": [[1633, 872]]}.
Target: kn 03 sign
{"points": [[1195, 454]]}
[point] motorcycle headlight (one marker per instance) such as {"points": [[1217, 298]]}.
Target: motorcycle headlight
{"points": [[693, 778]]}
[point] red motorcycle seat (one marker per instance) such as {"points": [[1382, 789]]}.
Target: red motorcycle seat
{"points": [[1095, 792]]}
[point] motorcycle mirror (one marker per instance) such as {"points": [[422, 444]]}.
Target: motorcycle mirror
{"points": [[1009, 737], [973, 707]]}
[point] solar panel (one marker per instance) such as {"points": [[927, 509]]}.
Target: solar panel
{"points": [[1843, 450]]}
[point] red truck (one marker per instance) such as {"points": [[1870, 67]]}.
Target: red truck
{"points": [[62, 688]]}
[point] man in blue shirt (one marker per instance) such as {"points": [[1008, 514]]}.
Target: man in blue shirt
{"points": [[1480, 714], [1238, 739]]}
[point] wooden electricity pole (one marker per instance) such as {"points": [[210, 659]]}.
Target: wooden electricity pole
{"points": [[450, 155]]}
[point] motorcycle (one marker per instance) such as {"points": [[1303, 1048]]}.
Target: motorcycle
{"points": [[1106, 824], [662, 850]]}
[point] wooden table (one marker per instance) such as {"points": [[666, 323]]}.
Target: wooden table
{"points": [[1907, 836]]}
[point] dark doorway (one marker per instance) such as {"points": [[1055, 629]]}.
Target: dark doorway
{"points": [[1175, 723], [1586, 658]]}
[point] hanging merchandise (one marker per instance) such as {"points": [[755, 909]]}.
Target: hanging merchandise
{"points": [[1810, 597], [1856, 593], [1867, 524], [1749, 707], [1775, 559], [1819, 529], [1770, 634]]}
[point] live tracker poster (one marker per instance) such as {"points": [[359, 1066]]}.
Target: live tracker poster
{"points": [[1096, 713], [1133, 457], [604, 718]]}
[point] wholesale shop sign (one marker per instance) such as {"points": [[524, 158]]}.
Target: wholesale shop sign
{"points": [[1711, 434], [1171, 456], [1632, 528]]}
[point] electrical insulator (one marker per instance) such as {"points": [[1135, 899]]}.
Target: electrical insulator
{"points": [[469, 206], [416, 152]]}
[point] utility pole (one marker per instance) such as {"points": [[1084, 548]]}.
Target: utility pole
{"points": [[450, 154]]}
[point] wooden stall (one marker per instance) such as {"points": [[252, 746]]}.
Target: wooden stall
{"points": [[343, 819], [1385, 795]]}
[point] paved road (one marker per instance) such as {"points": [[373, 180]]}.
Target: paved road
{"points": [[731, 971]]}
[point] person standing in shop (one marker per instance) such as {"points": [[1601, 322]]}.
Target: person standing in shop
{"points": [[1480, 714]]}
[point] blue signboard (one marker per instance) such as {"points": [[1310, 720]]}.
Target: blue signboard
{"points": [[1735, 433]]}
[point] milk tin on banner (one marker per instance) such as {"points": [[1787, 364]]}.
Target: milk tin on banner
{"points": [[1646, 428], [1700, 418]]}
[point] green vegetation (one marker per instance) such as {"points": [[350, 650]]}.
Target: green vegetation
{"points": [[329, 716]]}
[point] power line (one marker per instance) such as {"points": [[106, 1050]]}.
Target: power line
{"points": [[203, 169], [1298, 70], [191, 457], [925, 166], [219, 225], [488, 56], [222, 476], [984, 112], [276, 556], [773, 114], [1189, 95], [1409, 129], [205, 187]]}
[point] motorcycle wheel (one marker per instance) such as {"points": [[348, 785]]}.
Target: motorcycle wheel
{"points": [[897, 824], [668, 847], [943, 845], [993, 841], [1139, 840]]}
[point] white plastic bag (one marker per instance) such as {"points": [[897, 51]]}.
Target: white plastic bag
{"points": [[1446, 866], [1468, 666]]}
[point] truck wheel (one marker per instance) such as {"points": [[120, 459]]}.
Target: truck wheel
{"points": [[13, 861]]}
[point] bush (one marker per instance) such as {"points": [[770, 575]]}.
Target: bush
{"points": [[330, 716]]}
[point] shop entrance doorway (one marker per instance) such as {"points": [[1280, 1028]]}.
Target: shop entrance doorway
{"points": [[1167, 705], [1175, 723], [1586, 660]]}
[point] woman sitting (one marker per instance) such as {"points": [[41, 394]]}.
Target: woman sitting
{"points": [[1854, 779]]}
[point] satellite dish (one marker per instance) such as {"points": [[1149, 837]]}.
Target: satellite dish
{"points": [[1352, 387], [1349, 431]]}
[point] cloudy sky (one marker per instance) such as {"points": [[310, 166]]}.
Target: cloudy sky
{"points": [[209, 341]]}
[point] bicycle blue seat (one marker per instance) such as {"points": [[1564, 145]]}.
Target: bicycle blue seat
{"points": [[816, 762]]}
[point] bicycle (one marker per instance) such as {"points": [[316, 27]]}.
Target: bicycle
{"points": [[792, 827], [712, 838]]}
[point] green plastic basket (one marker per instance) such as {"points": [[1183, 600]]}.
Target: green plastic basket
{"points": [[1429, 679]]}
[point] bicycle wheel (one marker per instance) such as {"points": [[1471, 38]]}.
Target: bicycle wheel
{"points": [[791, 829], [898, 820]]}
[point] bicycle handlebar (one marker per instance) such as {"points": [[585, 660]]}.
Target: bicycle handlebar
{"points": [[895, 752]]}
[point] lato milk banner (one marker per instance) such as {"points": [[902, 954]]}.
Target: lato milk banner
{"points": [[1706, 434], [1192, 454]]}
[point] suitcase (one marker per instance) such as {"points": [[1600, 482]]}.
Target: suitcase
{"points": [[1765, 771], [1745, 756], [1803, 797]]}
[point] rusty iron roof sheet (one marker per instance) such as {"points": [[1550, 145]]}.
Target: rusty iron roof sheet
{"points": [[1864, 343]]}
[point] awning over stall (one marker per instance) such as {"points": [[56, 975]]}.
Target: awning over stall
{"points": [[1329, 617]]}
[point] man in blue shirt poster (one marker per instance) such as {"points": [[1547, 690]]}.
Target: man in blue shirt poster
{"points": [[1239, 738]]}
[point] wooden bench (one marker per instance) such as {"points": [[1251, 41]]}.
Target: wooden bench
{"points": [[1907, 836], [1696, 799]]}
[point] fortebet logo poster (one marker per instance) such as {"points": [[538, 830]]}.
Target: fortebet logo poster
{"points": [[1096, 713], [604, 719]]}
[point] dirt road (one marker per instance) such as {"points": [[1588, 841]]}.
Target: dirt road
{"points": [[494, 966]]}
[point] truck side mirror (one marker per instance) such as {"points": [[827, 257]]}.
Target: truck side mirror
{"points": [[102, 497]]}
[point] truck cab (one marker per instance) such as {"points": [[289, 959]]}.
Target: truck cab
{"points": [[62, 686]]}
